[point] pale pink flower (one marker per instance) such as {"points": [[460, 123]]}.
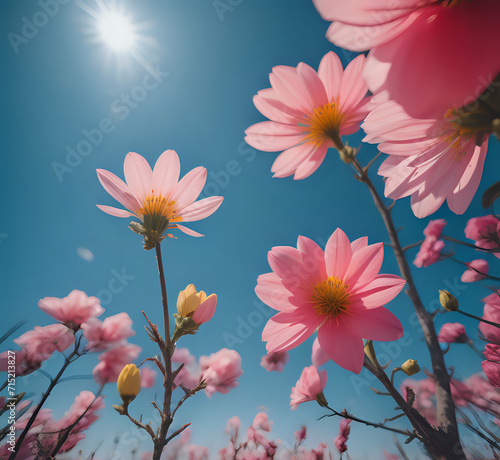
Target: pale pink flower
{"points": [[112, 362], [85, 402], [338, 291], [430, 249], [190, 374], [309, 112], [310, 384], [23, 365], [301, 434], [411, 49], [72, 310], [275, 361], [389, 456], [262, 422], [148, 377], [485, 231], [232, 427], [157, 197], [344, 431], [453, 333], [425, 391], [197, 452], [491, 312], [102, 335], [431, 160], [221, 371], [478, 269]]}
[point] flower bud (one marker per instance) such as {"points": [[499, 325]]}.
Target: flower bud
{"points": [[196, 305], [448, 301], [410, 367], [129, 383]]}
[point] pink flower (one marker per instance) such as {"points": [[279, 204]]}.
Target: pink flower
{"points": [[23, 365], [485, 230], [425, 391], [275, 361], [341, 439], [157, 197], [430, 249], [301, 434], [407, 37], [389, 456], [72, 310], [232, 427], [478, 269], [453, 333], [310, 384], [492, 371], [338, 291], [85, 402], [189, 375], [148, 377], [491, 312], [112, 362], [318, 356], [262, 422], [102, 335], [432, 160], [221, 371], [309, 112]]}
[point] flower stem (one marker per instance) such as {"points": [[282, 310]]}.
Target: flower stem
{"points": [[491, 323], [469, 245], [474, 348]]}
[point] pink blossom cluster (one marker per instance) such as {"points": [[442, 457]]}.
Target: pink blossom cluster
{"points": [[430, 249]]}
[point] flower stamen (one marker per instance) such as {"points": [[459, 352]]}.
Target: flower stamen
{"points": [[331, 297], [324, 124]]}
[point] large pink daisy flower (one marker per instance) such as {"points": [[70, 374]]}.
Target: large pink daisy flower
{"points": [[420, 54], [338, 291], [309, 111], [432, 160], [157, 197]]}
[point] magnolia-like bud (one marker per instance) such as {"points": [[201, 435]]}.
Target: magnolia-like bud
{"points": [[129, 383], [448, 301], [196, 305], [410, 367]]}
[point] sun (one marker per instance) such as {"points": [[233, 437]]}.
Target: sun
{"points": [[116, 30]]}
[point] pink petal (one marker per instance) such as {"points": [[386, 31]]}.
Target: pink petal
{"points": [[380, 291], [288, 161], [201, 209], [313, 257], [358, 244], [375, 324], [311, 164], [206, 310], [338, 254], [115, 211], [313, 85], [138, 175], [188, 231], [330, 71], [270, 136], [270, 105], [189, 187], [365, 265], [353, 87], [341, 346], [166, 173], [318, 357], [271, 291], [288, 84], [284, 261], [118, 190]]}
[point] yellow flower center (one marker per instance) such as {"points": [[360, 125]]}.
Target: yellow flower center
{"points": [[324, 124], [160, 207], [331, 297]]}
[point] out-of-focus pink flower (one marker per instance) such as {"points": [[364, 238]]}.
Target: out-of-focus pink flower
{"points": [[453, 333], [485, 231], [310, 384], [492, 371], [344, 431], [309, 112], [430, 249], [197, 452], [275, 361], [157, 197], [102, 335], [72, 310], [389, 456], [148, 377], [262, 422], [432, 160], [112, 362], [491, 312], [425, 391], [43, 417], [300, 435], [221, 371], [407, 37], [232, 427], [338, 291], [478, 269], [190, 374], [23, 365]]}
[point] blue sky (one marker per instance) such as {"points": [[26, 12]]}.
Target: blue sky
{"points": [[61, 86]]}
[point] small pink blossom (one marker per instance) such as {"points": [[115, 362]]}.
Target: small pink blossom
{"points": [[102, 335], [491, 312], [221, 371], [310, 384], [301, 434], [344, 431], [430, 250], [190, 374], [453, 333], [492, 371], [23, 365], [485, 231], [72, 310], [275, 361], [477, 270], [232, 427], [262, 422], [148, 377], [112, 362], [309, 112]]}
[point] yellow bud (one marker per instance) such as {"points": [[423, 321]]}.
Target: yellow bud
{"points": [[448, 301], [189, 300], [410, 367], [129, 383]]}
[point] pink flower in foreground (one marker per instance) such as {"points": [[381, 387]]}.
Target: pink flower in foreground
{"points": [[478, 269], [492, 371], [344, 431], [491, 312], [102, 335], [72, 310], [113, 361], [157, 197], [309, 112], [262, 422], [221, 371], [411, 49], [453, 333], [485, 231], [431, 160], [338, 291], [430, 250], [275, 361], [148, 377], [309, 386]]}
